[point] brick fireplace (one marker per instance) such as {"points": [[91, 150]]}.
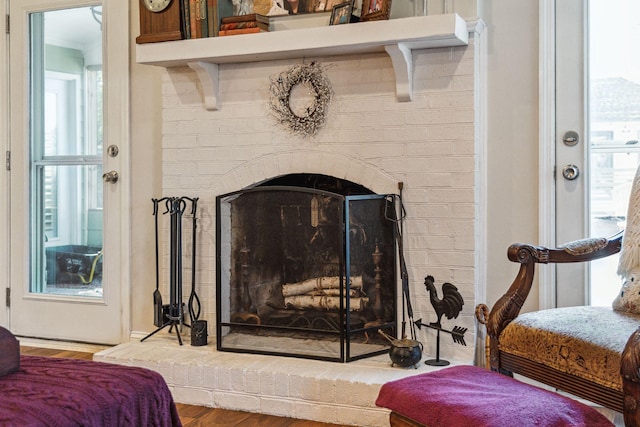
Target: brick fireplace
{"points": [[433, 144]]}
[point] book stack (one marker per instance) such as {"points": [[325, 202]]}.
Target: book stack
{"points": [[200, 18], [241, 24]]}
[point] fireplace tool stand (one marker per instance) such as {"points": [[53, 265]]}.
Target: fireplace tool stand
{"points": [[173, 314]]}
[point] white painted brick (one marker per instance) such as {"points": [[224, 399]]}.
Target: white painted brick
{"points": [[277, 407], [296, 386], [463, 82], [195, 375], [225, 375], [195, 396], [210, 377], [315, 411], [237, 401], [450, 258], [281, 384], [267, 382]]}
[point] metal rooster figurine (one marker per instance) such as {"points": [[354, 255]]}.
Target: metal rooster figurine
{"points": [[450, 305]]}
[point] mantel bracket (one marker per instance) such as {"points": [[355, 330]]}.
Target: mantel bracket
{"points": [[209, 79], [402, 61]]}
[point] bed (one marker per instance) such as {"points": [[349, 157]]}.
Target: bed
{"points": [[70, 392]]}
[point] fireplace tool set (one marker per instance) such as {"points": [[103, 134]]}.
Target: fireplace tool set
{"points": [[172, 315], [407, 352], [404, 352]]}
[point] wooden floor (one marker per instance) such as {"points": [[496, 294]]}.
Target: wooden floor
{"points": [[196, 416]]}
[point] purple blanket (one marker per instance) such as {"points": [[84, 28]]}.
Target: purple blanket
{"points": [[464, 396], [65, 392]]}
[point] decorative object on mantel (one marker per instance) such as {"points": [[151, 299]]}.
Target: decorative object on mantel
{"points": [[305, 121], [450, 306], [159, 21], [341, 13], [242, 7], [375, 10], [241, 24]]}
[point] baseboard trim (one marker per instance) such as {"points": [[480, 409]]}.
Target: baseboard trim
{"points": [[61, 345]]}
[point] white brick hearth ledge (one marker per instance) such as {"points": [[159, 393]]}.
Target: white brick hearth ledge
{"points": [[339, 393]]}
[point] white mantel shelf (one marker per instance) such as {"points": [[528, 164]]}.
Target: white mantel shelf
{"points": [[397, 37]]}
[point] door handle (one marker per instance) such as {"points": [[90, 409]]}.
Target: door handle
{"points": [[570, 172], [111, 176]]}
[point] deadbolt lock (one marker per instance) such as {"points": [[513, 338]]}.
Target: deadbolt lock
{"points": [[113, 150], [570, 138]]}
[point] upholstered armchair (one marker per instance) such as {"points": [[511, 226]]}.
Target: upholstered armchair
{"points": [[590, 352]]}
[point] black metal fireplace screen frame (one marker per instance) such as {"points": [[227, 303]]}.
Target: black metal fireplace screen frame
{"points": [[359, 235]]}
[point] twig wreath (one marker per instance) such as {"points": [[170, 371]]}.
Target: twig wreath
{"points": [[309, 121]]}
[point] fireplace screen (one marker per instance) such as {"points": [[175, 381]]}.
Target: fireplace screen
{"points": [[306, 273]]}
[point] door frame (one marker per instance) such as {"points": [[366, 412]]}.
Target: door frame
{"points": [[116, 47], [4, 174], [547, 150], [549, 156]]}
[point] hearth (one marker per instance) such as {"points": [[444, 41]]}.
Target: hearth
{"points": [[306, 267]]}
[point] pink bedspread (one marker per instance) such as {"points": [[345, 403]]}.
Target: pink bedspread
{"points": [[65, 392], [463, 396]]}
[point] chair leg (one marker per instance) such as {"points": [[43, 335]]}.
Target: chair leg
{"points": [[631, 403], [630, 371]]}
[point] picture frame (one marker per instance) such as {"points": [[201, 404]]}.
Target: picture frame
{"points": [[375, 10], [341, 13]]}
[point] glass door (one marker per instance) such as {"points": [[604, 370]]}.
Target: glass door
{"points": [[597, 90], [65, 209]]}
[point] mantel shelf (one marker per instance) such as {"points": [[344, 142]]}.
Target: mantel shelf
{"points": [[397, 37]]}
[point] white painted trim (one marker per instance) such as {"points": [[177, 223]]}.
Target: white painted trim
{"points": [[546, 159], [4, 174], [481, 241], [62, 345], [117, 46]]}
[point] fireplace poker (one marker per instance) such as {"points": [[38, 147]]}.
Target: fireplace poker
{"points": [[198, 327], [158, 318], [194, 314], [407, 309], [177, 312]]}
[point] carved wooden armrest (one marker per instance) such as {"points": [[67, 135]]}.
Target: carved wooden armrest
{"points": [[575, 251], [509, 305]]}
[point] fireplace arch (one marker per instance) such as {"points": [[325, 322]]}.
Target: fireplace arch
{"points": [[264, 168]]}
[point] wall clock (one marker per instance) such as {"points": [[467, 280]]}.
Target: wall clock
{"points": [[159, 21]]}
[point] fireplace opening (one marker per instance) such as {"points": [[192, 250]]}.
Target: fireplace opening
{"points": [[306, 267]]}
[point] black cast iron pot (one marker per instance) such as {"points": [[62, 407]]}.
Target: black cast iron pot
{"points": [[404, 352]]}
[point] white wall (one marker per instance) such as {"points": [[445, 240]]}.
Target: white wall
{"points": [[146, 180], [512, 76]]}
